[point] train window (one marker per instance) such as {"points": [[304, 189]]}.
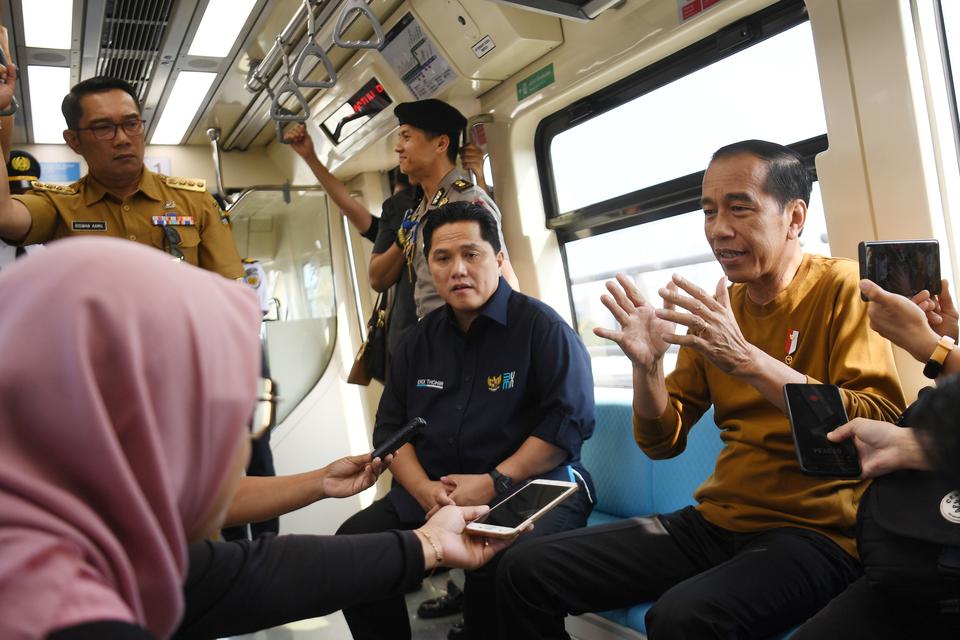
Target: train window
{"points": [[634, 208], [286, 231]]}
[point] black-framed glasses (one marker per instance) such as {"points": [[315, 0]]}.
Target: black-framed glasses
{"points": [[172, 242], [108, 130], [265, 412]]}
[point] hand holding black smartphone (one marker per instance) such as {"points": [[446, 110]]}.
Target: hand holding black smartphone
{"points": [[901, 266], [406, 433], [814, 411]]}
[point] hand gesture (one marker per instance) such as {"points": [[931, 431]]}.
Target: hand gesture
{"points": [[469, 489], [882, 447], [351, 475], [8, 75], [942, 314], [712, 328], [642, 333], [900, 320], [300, 141], [461, 550], [432, 495]]}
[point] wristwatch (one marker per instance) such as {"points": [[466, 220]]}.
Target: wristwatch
{"points": [[937, 358], [501, 483]]}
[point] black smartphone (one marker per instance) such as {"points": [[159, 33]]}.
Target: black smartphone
{"points": [[406, 433], [814, 411], [906, 267]]}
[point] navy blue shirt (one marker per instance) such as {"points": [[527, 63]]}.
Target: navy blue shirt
{"points": [[519, 371]]}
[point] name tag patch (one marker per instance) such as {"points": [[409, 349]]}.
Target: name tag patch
{"points": [[172, 221], [88, 226], [428, 383]]}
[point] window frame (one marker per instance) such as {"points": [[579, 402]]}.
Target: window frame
{"points": [[674, 196]]}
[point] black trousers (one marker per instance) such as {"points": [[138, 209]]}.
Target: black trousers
{"points": [[244, 586], [707, 582], [863, 612], [386, 619]]}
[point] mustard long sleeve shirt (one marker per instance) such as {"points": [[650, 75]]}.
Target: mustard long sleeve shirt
{"points": [[818, 326]]}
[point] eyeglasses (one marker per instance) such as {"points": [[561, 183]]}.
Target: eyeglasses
{"points": [[265, 413], [108, 130], [172, 242]]}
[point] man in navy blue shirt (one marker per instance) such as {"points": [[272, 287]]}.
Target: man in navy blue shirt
{"points": [[506, 388]]}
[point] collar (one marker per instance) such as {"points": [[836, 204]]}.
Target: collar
{"points": [[452, 176], [494, 308], [149, 186]]}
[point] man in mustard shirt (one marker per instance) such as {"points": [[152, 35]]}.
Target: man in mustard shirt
{"points": [[766, 546], [119, 196]]}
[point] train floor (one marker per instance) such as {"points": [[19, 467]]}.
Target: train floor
{"points": [[334, 626]]}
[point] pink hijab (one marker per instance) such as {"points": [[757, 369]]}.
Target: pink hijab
{"points": [[126, 383]]}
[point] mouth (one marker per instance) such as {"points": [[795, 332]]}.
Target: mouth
{"points": [[460, 287], [728, 254], [125, 156]]}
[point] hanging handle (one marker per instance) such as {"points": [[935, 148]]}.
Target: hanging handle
{"points": [[312, 48], [14, 106], [277, 111], [361, 7]]}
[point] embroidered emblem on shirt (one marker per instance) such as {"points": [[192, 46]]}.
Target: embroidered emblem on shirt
{"points": [[88, 226], [501, 381], [428, 383], [793, 339]]}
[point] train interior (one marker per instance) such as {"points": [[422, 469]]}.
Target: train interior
{"points": [[597, 118]]}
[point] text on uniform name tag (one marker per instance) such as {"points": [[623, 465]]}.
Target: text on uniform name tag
{"points": [[88, 226]]}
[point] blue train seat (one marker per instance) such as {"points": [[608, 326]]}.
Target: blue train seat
{"points": [[628, 483]]}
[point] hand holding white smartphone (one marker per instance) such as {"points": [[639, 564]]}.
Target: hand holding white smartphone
{"points": [[516, 512]]}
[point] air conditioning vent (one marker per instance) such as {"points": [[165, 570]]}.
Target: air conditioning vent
{"points": [[130, 40]]}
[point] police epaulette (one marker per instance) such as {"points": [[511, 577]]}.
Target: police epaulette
{"points": [[55, 188], [187, 184], [437, 197], [462, 185]]}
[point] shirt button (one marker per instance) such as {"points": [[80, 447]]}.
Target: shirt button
{"points": [[133, 237], [126, 207], [449, 440], [467, 379], [459, 407]]}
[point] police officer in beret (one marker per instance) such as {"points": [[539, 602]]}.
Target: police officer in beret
{"points": [[119, 196], [427, 145]]}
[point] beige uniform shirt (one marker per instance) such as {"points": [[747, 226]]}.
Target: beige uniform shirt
{"points": [[87, 208], [452, 188]]}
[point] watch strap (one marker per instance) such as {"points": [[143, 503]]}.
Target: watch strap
{"points": [[938, 357]]}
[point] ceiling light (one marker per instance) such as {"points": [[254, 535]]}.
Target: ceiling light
{"points": [[48, 86], [188, 93], [48, 24], [220, 26]]}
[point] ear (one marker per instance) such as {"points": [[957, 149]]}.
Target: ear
{"points": [[797, 212], [72, 140], [443, 142], [500, 259]]}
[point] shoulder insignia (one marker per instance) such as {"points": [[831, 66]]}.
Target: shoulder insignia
{"points": [[187, 184], [438, 196], [54, 188], [462, 185]]}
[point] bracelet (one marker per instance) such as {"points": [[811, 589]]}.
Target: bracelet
{"points": [[438, 552]]}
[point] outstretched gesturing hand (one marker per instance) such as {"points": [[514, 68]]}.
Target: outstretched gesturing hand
{"points": [[642, 333], [459, 549], [712, 328]]}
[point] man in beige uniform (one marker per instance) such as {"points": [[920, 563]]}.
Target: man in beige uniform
{"points": [[119, 196]]}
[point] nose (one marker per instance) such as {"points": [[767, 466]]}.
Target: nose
{"points": [[398, 147], [120, 138], [459, 267], [719, 226]]}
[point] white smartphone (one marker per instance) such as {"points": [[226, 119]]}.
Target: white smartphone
{"points": [[510, 516]]}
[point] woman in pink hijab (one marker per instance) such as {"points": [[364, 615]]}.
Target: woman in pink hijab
{"points": [[126, 385]]}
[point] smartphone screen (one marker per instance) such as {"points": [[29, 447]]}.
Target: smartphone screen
{"points": [[903, 267], [520, 506], [814, 411]]}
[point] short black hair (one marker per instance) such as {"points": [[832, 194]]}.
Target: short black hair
{"points": [[72, 111], [453, 148], [461, 212], [788, 178]]}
